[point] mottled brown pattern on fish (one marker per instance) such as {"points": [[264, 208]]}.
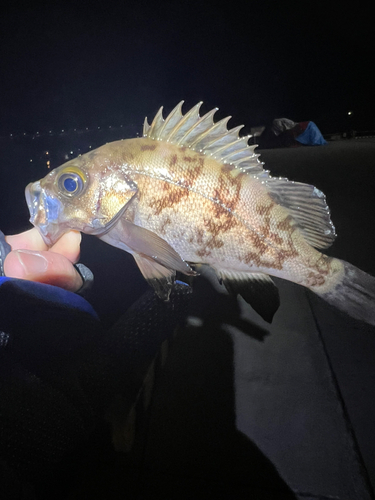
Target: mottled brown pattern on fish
{"points": [[173, 161], [267, 257], [220, 218], [228, 189], [172, 194], [197, 237], [203, 252], [188, 158], [196, 165], [268, 248], [320, 271], [285, 224], [323, 264], [217, 210], [314, 279], [148, 147], [287, 248], [283, 255], [223, 212], [164, 224], [215, 229]]}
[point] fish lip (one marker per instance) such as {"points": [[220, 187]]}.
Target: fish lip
{"points": [[32, 199], [49, 231], [28, 196], [48, 238]]}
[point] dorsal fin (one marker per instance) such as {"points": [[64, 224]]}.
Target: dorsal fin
{"points": [[307, 205], [203, 135]]}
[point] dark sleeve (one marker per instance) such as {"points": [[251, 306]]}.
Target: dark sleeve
{"points": [[59, 371], [4, 250]]}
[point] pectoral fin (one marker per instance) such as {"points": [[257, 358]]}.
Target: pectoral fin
{"points": [[159, 277], [141, 241], [257, 289], [150, 244]]}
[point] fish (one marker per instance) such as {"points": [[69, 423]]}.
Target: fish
{"points": [[192, 192]]}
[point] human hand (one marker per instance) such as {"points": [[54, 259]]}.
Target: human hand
{"points": [[31, 259]]}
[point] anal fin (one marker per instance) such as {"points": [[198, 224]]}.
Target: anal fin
{"points": [[159, 277], [257, 289]]}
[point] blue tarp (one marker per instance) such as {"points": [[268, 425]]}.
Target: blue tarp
{"points": [[311, 136]]}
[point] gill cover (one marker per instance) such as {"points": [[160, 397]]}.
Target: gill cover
{"points": [[114, 194]]}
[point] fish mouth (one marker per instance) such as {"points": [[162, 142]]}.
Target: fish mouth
{"points": [[32, 194], [44, 211]]}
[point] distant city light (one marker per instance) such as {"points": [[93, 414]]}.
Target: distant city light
{"points": [[39, 134]]}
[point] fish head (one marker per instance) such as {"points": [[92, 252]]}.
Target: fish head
{"points": [[87, 194]]}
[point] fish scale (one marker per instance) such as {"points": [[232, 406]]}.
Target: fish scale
{"points": [[192, 192], [228, 230]]}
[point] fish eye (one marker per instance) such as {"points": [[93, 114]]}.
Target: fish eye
{"points": [[71, 183]]}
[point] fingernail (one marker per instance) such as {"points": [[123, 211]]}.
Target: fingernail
{"points": [[32, 262]]}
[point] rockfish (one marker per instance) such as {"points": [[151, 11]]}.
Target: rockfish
{"points": [[190, 191]]}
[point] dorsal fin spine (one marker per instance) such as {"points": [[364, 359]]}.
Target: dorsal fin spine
{"points": [[195, 131], [203, 135], [196, 125], [216, 126], [177, 125], [225, 147], [146, 128], [185, 120], [156, 122], [231, 139], [173, 117], [232, 147], [241, 152], [239, 155]]}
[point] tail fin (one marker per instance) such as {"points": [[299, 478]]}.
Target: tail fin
{"points": [[354, 294]]}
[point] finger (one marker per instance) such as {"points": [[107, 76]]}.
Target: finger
{"points": [[68, 245], [30, 240], [44, 267]]}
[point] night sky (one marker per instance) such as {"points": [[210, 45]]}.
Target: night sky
{"points": [[107, 64]]}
